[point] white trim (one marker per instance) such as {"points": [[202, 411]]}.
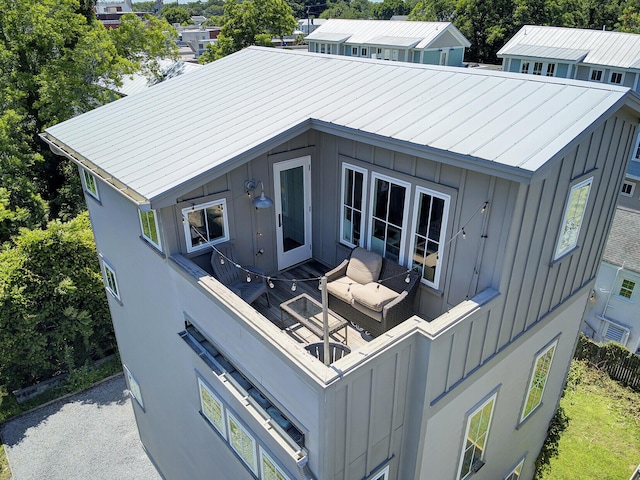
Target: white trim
{"points": [[517, 470], [596, 69], [221, 428], [263, 474], [109, 275], [633, 188], [87, 178], [616, 72], [524, 414], [382, 474], [492, 400], [134, 386], [419, 191], [405, 212], [157, 244], [187, 230], [253, 466], [564, 233], [624, 332], [363, 212]]}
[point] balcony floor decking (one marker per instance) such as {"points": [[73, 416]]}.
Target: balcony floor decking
{"points": [[282, 292]]}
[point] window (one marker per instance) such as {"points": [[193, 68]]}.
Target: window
{"points": [[476, 435], [538, 380], [616, 78], [110, 280], [206, 224], [269, 469], [389, 202], [363, 52], [149, 226], [628, 188], [525, 67], [134, 386], [537, 68], [573, 216], [596, 75], [394, 55], [242, 442], [429, 228], [626, 289], [90, 184], [382, 475], [354, 51], [551, 70], [212, 408], [354, 185], [443, 57], [515, 473]]}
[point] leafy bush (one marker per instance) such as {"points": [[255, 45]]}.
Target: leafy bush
{"points": [[53, 310]]}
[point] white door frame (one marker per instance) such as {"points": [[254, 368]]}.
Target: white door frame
{"points": [[303, 252]]}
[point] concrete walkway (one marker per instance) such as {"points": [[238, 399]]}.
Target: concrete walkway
{"points": [[90, 435]]}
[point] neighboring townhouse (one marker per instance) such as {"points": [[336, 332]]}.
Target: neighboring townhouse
{"points": [[595, 55], [308, 25], [434, 43], [613, 313], [496, 189]]}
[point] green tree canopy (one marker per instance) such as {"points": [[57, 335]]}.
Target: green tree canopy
{"points": [[251, 22], [53, 309], [388, 8], [176, 14]]}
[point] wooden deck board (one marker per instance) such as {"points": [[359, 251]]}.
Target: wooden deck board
{"points": [[282, 292]]}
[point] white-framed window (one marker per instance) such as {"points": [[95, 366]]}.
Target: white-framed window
{"points": [[551, 70], [475, 438], [363, 52], [387, 216], [352, 213], [382, 474], [542, 366], [626, 289], [206, 224], [394, 55], [110, 280], [90, 183], [134, 386], [627, 189], [149, 227], [516, 472], [269, 470], [430, 215], [524, 68], [212, 408], [573, 216], [443, 57], [242, 442], [538, 68], [596, 75], [354, 51], [616, 78]]}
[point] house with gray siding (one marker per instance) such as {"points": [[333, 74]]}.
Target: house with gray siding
{"points": [[613, 313], [434, 43], [495, 190]]}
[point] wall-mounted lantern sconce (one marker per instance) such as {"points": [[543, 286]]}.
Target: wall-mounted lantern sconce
{"points": [[259, 202]]}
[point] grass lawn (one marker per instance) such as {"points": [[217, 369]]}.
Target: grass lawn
{"points": [[602, 441]]}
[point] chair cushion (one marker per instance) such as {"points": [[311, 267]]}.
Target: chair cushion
{"points": [[342, 288], [373, 296], [364, 266]]}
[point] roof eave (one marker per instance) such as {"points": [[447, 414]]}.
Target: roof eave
{"points": [[59, 148]]}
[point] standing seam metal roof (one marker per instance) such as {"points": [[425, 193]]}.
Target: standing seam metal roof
{"points": [[252, 96], [365, 31], [614, 49]]}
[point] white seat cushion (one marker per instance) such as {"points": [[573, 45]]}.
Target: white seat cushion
{"points": [[373, 296], [364, 266]]}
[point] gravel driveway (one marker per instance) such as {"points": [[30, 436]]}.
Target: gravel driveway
{"points": [[90, 435]]}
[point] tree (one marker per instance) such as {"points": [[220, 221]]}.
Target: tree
{"points": [[53, 311], [629, 21], [251, 22], [388, 8], [434, 11], [343, 9], [176, 14]]}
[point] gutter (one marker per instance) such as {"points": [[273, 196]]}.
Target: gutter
{"points": [[62, 150]]}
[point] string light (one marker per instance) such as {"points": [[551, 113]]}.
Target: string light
{"points": [[294, 286], [271, 285], [248, 278], [408, 279], [464, 234]]}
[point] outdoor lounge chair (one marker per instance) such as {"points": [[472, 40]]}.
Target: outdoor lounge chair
{"points": [[225, 269]]}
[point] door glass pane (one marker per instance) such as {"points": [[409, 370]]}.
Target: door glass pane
{"points": [[292, 196]]}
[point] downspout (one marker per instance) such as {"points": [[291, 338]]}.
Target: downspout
{"points": [[303, 465]]}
